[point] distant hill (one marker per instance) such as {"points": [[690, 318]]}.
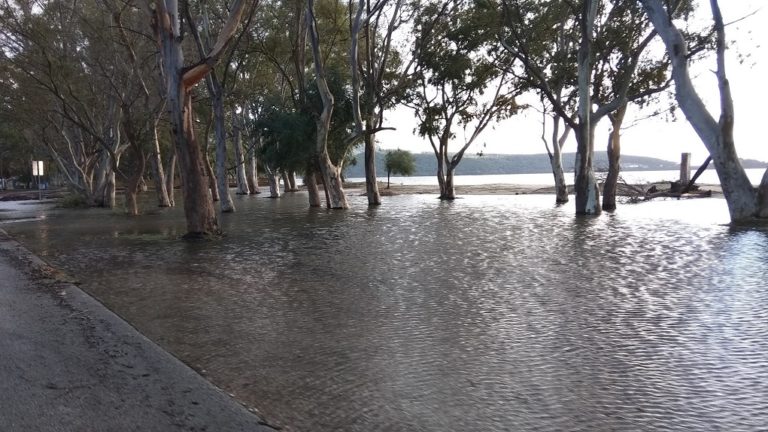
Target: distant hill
{"points": [[526, 164], [512, 164]]}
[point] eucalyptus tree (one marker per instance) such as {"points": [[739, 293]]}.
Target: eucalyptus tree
{"points": [[456, 63], [65, 79], [545, 38], [515, 39], [135, 48], [378, 73], [180, 80], [284, 48], [609, 39], [745, 202], [331, 173]]}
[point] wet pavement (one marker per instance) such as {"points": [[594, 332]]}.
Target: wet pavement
{"points": [[69, 364]]}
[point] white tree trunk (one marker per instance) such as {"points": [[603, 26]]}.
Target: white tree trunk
{"points": [[331, 175], [587, 194], [242, 182]]}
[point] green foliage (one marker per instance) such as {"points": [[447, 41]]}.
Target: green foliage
{"points": [[400, 162]]}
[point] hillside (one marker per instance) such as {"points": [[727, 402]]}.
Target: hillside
{"points": [[527, 164], [513, 164]]}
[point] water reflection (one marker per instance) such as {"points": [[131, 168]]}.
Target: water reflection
{"points": [[489, 313]]}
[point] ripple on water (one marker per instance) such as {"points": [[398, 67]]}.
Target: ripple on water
{"points": [[489, 313]]}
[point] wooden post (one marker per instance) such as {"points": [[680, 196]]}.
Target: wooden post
{"points": [[685, 169]]}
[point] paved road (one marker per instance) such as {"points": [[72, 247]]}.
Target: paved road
{"points": [[69, 364]]}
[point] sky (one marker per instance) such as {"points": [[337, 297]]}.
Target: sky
{"points": [[655, 137]]}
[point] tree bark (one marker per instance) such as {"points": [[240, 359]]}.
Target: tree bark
{"points": [[242, 182], [219, 131], [371, 183], [614, 160], [587, 194], [449, 192], [252, 174], [158, 175], [211, 177], [292, 181], [286, 183], [170, 177], [274, 182], [314, 192], [556, 160], [198, 205], [331, 178]]}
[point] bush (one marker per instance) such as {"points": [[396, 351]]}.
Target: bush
{"points": [[73, 201]]}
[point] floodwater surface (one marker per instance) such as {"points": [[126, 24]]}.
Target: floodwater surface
{"points": [[490, 313]]}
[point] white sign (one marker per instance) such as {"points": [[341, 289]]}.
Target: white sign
{"points": [[37, 168]]}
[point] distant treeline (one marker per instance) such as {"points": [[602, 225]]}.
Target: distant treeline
{"points": [[490, 164]]}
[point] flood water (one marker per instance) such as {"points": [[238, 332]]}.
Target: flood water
{"points": [[491, 313]]}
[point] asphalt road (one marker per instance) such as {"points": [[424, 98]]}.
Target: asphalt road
{"points": [[69, 364]]}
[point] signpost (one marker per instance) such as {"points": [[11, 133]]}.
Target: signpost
{"points": [[37, 171]]}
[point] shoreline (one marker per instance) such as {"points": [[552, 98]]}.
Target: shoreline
{"points": [[623, 190]]}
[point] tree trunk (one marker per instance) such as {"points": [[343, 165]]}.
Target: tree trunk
{"points": [[170, 177], [219, 131], [292, 181], [556, 160], [371, 184], [388, 174], [198, 205], [252, 174], [286, 183], [133, 186], [156, 164], [441, 168], [242, 183], [314, 192], [614, 160], [587, 194], [274, 182], [331, 178], [448, 192], [210, 177], [717, 136]]}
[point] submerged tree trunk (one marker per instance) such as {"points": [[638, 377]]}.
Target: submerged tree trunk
{"points": [[242, 183], [286, 183], [211, 177], [448, 192], [158, 175], [274, 183], [614, 160], [195, 184], [556, 160], [371, 184], [587, 193], [133, 187], [331, 178], [170, 177], [292, 181], [219, 131], [252, 174], [314, 192], [198, 205]]}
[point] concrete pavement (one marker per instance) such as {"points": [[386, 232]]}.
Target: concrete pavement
{"points": [[69, 364]]}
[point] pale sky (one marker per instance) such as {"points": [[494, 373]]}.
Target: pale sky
{"points": [[655, 137]]}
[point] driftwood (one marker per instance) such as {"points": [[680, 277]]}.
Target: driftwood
{"points": [[678, 195]]}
